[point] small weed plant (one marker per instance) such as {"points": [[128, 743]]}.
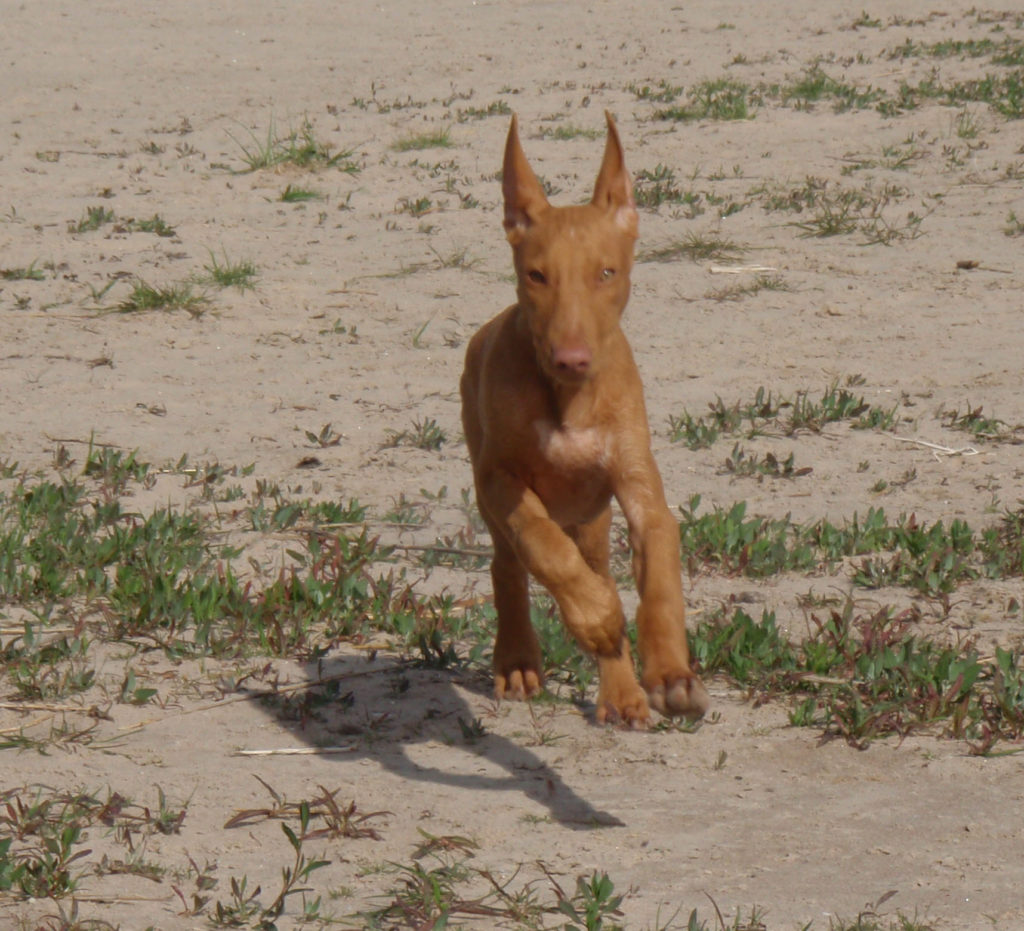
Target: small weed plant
{"points": [[227, 274], [716, 99], [695, 247], [27, 273], [766, 413], [298, 148], [176, 296], [431, 139], [94, 218], [426, 433]]}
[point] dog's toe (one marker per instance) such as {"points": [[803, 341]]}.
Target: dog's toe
{"points": [[637, 717], [517, 684]]}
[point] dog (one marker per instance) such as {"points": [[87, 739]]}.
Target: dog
{"points": [[554, 418]]}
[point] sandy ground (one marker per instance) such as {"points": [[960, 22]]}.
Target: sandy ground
{"points": [[356, 322]]}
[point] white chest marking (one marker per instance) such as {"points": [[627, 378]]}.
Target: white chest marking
{"points": [[572, 450]]}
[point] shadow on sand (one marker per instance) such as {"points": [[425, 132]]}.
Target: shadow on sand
{"points": [[417, 723]]}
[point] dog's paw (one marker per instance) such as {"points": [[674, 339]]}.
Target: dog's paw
{"points": [[681, 695], [518, 666], [620, 700], [632, 711], [517, 684]]}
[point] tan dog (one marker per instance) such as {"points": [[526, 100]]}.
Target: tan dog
{"points": [[553, 410]]}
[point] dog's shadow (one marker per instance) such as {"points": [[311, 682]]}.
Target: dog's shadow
{"points": [[417, 723]]}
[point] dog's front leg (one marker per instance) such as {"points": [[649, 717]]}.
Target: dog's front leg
{"points": [[620, 698], [668, 679], [518, 665], [588, 601]]}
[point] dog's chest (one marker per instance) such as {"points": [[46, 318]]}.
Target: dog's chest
{"points": [[571, 473], [571, 451]]}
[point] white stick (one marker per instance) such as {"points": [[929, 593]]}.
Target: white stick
{"points": [[739, 269], [947, 450]]}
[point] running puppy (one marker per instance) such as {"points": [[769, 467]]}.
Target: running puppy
{"points": [[554, 416]]}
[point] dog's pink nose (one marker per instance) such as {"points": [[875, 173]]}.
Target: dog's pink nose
{"points": [[572, 360]]}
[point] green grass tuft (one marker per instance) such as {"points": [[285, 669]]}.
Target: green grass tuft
{"points": [[178, 296], [298, 147], [718, 99], [695, 247], [432, 139], [29, 273], [227, 274]]}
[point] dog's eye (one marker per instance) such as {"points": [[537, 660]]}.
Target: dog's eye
{"points": [[607, 274], [537, 277]]}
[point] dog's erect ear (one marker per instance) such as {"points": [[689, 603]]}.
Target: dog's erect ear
{"points": [[524, 196], [613, 190]]}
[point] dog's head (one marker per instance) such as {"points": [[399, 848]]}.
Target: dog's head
{"points": [[572, 263]]}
